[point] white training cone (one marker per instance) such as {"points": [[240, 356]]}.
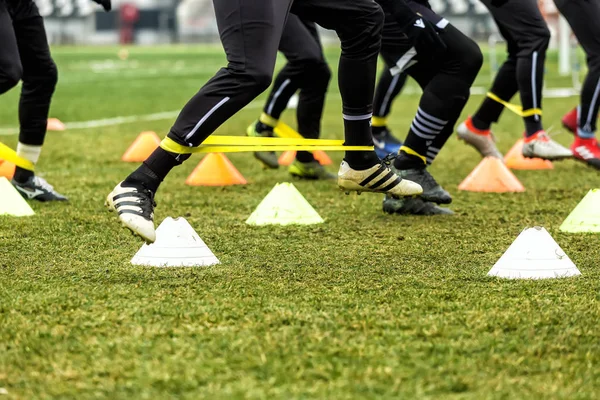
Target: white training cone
{"points": [[284, 205], [177, 245], [11, 201], [534, 255]]}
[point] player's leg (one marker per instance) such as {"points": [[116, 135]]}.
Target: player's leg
{"points": [[583, 16], [39, 80], [11, 70], [250, 32], [311, 103], [446, 84], [524, 28], [476, 129], [307, 71], [358, 25], [387, 89]]}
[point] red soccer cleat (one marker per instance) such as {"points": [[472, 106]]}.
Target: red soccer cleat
{"points": [[569, 121], [587, 150]]}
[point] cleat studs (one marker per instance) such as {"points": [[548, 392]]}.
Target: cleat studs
{"points": [[347, 192], [358, 192]]}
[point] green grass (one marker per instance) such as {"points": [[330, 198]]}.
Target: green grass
{"points": [[364, 306]]}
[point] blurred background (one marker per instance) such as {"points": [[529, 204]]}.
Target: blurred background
{"points": [[147, 22]]}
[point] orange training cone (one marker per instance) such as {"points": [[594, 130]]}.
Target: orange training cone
{"points": [[142, 147], [54, 124], [322, 157], [491, 175], [7, 169], [288, 157], [215, 170], [514, 159]]}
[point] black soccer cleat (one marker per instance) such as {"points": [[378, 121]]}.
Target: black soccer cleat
{"points": [[413, 206], [36, 188], [432, 191]]}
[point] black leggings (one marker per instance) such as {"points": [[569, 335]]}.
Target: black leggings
{"points": [[24, 55], [306, 70], [583, 16], [250, 31]]}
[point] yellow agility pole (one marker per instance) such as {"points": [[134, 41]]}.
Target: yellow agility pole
{"points": [[517, 109], [268, 141], [239, 144], [8, 154]]}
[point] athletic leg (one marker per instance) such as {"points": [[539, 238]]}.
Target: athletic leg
{"points": [[358, 25], [307, 71], [446, 86], [583, 17], [522, 25], [11, 70], [311, 103], [250, 32], [387, 89], [39, 78]]}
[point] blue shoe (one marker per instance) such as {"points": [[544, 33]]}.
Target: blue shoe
{"points": [[385, 143]]}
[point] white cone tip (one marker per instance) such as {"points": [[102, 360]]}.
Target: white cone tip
{"points": [[284, 205], [177, 245], [534, 255]]}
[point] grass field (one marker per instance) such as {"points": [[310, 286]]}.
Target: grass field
{"points": [[366, 305]]}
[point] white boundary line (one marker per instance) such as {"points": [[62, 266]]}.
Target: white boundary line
{"points": [[552, 93]]}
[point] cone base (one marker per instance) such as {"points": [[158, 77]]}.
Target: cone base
{"points": [[215, 170], [491, 176]]}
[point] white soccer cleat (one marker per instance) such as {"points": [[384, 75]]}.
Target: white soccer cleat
{"points": [[135, 209], [540, 145], [379, 179], [482, 141]]}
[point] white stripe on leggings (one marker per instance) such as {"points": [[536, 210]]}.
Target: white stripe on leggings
{"points": [[534, 83], [388, 94], [276, 96], [205, 117], [588, 121]]}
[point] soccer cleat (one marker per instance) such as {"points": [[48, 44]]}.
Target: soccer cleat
{"points": [[410, 206], [482, 141], [385, 143], [135, 209], [432, 191], [310, 170], [36, 188], [587, 150], [378, 179], [569, 121], [267, 158], [540, 145]]}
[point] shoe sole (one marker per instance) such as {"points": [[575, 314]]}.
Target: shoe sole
{"points": [[348, 186], [111, 208], [558, 158], [435, 199]]}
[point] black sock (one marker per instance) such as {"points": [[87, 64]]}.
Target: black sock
{"points": [[155, 169], [264, 128], [408, 161], [378, 131], [532, 125], [305, 156], [359, 160], [22, 175], [479, 124]]}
